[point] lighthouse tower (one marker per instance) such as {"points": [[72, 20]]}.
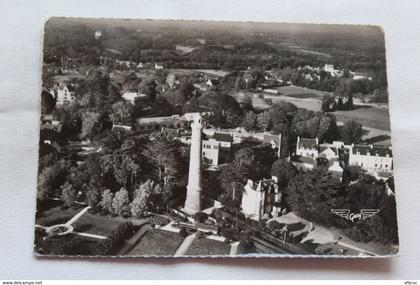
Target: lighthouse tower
{"points": [[193, 201]]}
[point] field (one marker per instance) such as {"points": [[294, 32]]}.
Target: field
{"points": [[204, 246], [88, 223], [157, 242], [371, 117], [375, 119]]}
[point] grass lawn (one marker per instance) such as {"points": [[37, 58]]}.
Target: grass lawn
{"points": [[309, 103], [371, 117], [204, 246], [157, 242], [303, 95], [88, 223], [298, 92]]}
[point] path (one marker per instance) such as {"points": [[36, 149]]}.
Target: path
{"points": [[182, 249], [130, 243], [234, 248], [77, 216]]}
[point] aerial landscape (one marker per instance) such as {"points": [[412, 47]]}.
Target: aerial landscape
{"points": [[194, 138]]}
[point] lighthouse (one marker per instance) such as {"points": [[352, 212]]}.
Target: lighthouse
{"points": [[193, 200]]}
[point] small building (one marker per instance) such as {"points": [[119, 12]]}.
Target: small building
{"points": [[275, 141], [65, 94], [158, 66], [211, 82], [211, 151], [224, 139], [131, 97], [261, 199], [98, 35], [307, 147]]}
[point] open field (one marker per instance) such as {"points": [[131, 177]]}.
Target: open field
{"points": [[88, 223], [157, 242], [368, 116], [292, 90], [204, 246]]}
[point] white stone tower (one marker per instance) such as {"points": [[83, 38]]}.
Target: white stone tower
{"points": [[193, 201]]}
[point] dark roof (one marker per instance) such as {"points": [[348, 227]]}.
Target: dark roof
{"points": [[70, 88], [269, 138], [222, 137], [307, 143], [304, 159], [372, 150]]}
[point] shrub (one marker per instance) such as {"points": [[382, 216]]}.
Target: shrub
{"points": [[183, 232], [159, 220], [201, 217]]}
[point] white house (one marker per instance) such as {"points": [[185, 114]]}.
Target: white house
{"points": [[371, 158], [211, 150], [132, 96], [307, 147], [65, 94], [212, 147], [261, 199], [158, 66]]}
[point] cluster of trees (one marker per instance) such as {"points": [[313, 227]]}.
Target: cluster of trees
{"points": [[313, 194], [291, 122], [132, 175], [252, 160]]}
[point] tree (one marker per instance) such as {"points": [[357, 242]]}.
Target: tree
{"points": [[284, 171], [47, 102], [328, 103], [106, 202], [50, 179], [265, 122], [148, 87], [93, 197], [352, 132], [89, 119], [121, 113], [68, 194], [121, 201], [250, 122], [164, 155]]}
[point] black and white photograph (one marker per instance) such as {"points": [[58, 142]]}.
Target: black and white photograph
{"points": [[181, 138]]}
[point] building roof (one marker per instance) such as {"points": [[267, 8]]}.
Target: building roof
{"points": [[308, 143], [304, 159], [223, 137], [323, 148], [269, 138], [372, 150]]}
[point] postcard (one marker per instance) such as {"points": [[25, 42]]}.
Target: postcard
{"points": [[214, 139]]}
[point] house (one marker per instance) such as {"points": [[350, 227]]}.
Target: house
{"points": [[224, 139], [211, 151], [65, 94], [275, 141], [307, 147], [311, 155], [131, 97], [216, 146], [98, 35], [261, 199], [158, 66], [211, 82], [372, 158]]}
